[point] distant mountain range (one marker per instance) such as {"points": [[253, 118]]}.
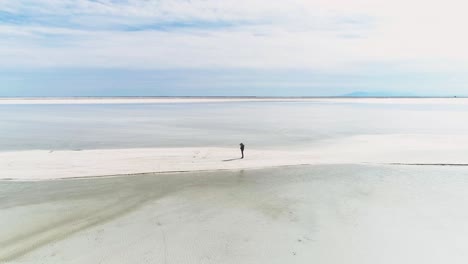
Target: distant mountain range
{"points": [[378, 94]]}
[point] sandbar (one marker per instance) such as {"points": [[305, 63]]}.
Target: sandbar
{"points": [[382, 149]]}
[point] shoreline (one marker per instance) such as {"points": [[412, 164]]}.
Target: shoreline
{"points": [[178, 172]]}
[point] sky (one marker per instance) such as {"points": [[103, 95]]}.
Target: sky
{"points": [[233, 47]]}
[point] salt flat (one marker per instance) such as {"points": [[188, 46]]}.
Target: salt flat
{"points": [[376, 149]]}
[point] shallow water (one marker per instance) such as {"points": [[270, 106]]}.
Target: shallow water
{"points": [[258, 124], [303, 214]]}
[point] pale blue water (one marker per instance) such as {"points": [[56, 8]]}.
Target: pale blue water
{"points": [[258, 124], [303, 214]]}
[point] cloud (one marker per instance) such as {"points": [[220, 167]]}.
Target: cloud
{"points": [[319, 35]]}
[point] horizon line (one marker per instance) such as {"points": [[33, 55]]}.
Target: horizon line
{"points": [[214, 97]]}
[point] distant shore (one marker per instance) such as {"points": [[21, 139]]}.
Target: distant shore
{"points": [[152, 100]]}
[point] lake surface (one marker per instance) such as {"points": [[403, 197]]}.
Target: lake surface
{"points": [[325, 214], [258, 124]]}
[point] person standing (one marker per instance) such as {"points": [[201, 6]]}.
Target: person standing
{"points": [[242, 149]]}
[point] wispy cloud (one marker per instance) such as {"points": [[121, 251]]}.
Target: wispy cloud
{"points": [[168, 34], [329, 36]]}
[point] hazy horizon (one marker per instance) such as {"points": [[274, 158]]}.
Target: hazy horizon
{"points": [[226, 96]]}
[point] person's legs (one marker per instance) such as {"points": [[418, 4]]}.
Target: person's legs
{"points": [[242, 152]]}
